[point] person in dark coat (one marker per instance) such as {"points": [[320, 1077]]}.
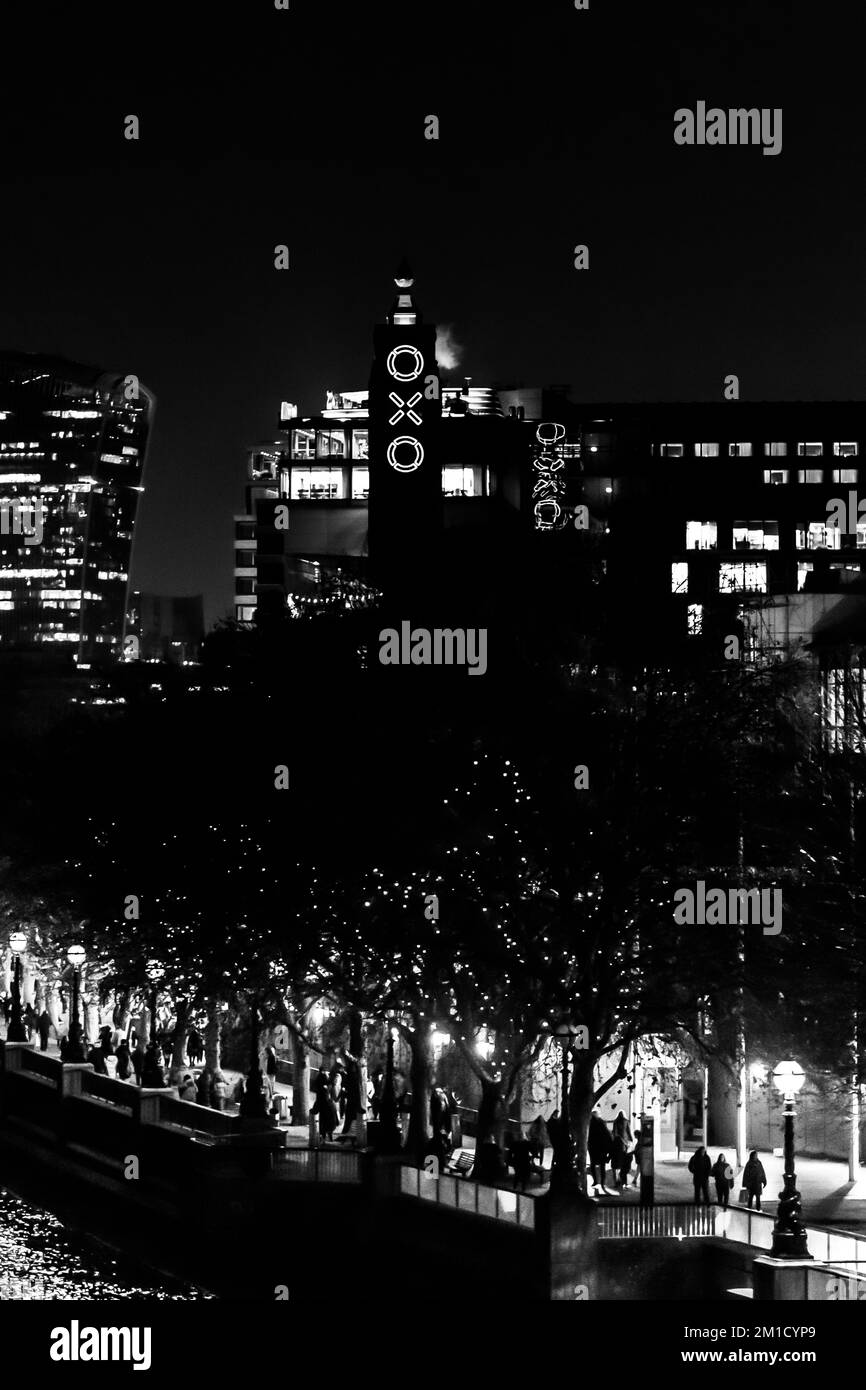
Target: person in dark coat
{"points": [[138, 1061], [754, 1179], [700, 1168], [723, 1175], [599, 1149], [521, 1162], [44, 1030], [96, 1058], [124, 1061], [202, 1088], [64, 1048], [195, 1046]]}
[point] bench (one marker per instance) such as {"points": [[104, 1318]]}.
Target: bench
{"points": [[461, 1166]]}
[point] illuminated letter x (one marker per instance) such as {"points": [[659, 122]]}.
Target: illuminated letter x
{"points": [[398, 400]]}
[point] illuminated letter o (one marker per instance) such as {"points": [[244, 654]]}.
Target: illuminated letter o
{"points": [[400, 374], [417, 450]]}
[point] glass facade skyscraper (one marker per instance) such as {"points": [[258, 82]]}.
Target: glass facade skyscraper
{"points": [[73, 441]]}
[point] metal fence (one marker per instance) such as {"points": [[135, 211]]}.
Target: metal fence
{"points": [[675, 1220], [318, 1165], [465, 1195]]}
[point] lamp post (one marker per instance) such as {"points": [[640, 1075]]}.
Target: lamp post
{"points": [[564, 1177], [16, 1031], [254, 1105], [789, 1233], [152, 1074], [76, 956]]}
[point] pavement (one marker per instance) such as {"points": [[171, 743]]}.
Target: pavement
{"points": [[829, 1198]]}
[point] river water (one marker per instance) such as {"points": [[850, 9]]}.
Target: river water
{"points": [[40, 1258]]}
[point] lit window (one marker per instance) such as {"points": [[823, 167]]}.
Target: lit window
{"points": [[804, 567], [317, 484], [810, 475], [756, 535], [706, 451], [847, 451], [671, 451], [844, 475], [701, 535], [775, 475], [748, 577], [360, 484], [679, 577], [817, 535], [810, 451], [303, 444], [740, 451], [458, 481], [331, 444], [776, 451], [861, 535], [695, 619], [360, 444]]}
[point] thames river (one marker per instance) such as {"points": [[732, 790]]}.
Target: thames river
{"points": [[40, 1258]]}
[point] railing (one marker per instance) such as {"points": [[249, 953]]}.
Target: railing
{"points": [[188, 1115], [118, 1093], [754, 1228], [42, 1065], [318, 1165], [464, 1195], [676, 1220]]}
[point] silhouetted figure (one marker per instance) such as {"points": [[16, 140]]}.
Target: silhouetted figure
{"points": [[44, 1030], [700, 1168]]}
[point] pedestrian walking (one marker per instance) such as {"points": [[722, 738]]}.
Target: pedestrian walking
{"points": [[539, 1140], [220, 1089], [138, 1061], [754, 1179], [700, 1168], [599, 1149], [44, 1030], [195, 1047], [723, 1174], [635, 1154]]}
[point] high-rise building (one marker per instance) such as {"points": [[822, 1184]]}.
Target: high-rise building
{"points": [[73, 441]]}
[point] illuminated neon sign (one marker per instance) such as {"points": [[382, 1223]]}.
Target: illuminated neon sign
{"points": [[404, 442], [549, 477], [405, 363]]}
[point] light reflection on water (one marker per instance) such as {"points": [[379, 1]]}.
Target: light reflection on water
{"points": [[41, 1259]]}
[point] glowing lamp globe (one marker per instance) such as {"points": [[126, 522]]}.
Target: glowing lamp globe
{"points": [[788, 1077], [18, 942], [76, 955]]}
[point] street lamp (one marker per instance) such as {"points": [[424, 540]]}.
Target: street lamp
{"points": [[76, 956], [564, 1176], [789, 1233], [152, 1074], [16, 1031]]}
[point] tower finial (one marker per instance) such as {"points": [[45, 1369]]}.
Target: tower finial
{"points": [[403, 309]]}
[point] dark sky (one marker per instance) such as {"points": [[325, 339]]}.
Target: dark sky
{"points": [[306, 127]]}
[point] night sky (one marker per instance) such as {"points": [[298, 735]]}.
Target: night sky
{"points": [[306, 127]]}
